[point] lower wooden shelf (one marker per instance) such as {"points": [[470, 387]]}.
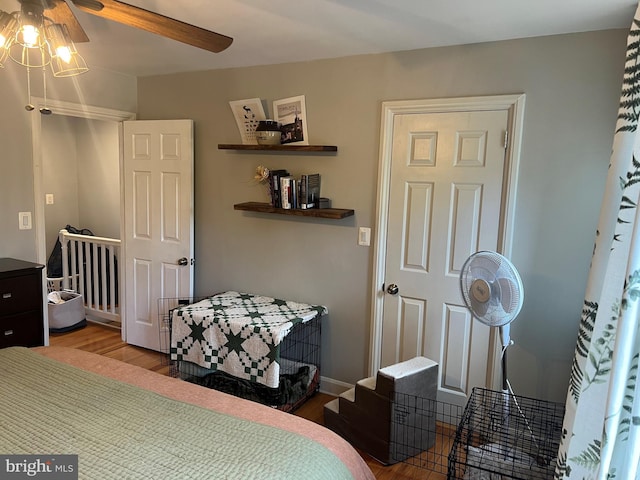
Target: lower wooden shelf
{"points": [[334, 213]]}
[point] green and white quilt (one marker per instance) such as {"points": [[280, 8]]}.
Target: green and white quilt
{"points": [[238, 333]]}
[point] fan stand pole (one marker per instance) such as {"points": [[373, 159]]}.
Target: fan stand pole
{"points": [[506, 410], [505, 338], [505, 385], [507, 390]]}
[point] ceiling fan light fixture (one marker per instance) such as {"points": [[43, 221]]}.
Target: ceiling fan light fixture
{"points": [[65, 59], [32, 40], [30, 27], [29, 36], [29, 47], [75, 66], [8, 28], [30, 57], [4, 53]]}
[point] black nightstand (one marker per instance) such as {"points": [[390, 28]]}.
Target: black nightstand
{"points": [[21, 303]]}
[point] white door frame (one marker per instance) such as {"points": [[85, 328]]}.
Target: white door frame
{"points": [[514, 104], [71, 110]]}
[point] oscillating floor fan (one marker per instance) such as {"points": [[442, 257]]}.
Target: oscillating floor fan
{"points": [[492, 291]]}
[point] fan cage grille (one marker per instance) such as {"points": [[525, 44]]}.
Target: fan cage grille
{"points": [[503, 280]]}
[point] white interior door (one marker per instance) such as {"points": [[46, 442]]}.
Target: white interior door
{"points": [[158, 222], [445, 201]]}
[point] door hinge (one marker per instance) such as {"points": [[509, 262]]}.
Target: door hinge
{"points": [[506, 138]]}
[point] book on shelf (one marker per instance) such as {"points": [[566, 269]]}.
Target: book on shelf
{"points": [[293, 193], [289, 192], [302, 193], [286, 195], [274, 187], [309, 191]]}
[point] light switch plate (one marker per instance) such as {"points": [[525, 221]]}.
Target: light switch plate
{"points": [[24, 220], [364, 236]]}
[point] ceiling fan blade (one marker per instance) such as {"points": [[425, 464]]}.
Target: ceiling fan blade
{"points": [[90, 4], [60, 12], [159, 24]]}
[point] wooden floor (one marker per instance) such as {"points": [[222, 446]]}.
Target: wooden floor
{"points": [[106, 341]]}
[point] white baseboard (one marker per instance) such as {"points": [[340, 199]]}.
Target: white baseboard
{"points": [[333, 387]]}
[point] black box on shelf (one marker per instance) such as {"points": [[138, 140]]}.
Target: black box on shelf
{"points": [[309, 191], [324, 202]]}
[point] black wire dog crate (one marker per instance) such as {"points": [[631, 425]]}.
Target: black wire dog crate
{"points": [[497, 436], [422, 433], [299, 361], [502, 436]]}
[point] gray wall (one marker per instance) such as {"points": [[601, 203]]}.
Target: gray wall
{"points": [[96, 87], [99, 177], [60, 175], [80, 164], [572, 84]]}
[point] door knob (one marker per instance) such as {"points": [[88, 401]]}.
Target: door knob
{"points": [[393, 289], [183, 261]]}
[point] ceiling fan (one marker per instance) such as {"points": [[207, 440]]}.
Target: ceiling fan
{"points": [[60, 12], [44, 32]]}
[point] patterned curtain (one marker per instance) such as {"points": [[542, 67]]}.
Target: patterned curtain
{"points": [[601, 431]]}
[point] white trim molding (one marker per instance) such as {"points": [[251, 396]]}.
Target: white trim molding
{"points": [[58, 108]]}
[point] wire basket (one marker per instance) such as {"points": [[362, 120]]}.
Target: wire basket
{"points": [[502, 436], [422, 433]]}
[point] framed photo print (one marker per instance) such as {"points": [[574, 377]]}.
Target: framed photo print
{"points": [[247, 114], [292, 115]]}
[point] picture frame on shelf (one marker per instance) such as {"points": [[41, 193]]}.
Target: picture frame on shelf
{"points": [[291, 113], [247, 114]]}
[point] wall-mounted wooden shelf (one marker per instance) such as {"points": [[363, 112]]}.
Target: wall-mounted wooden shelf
{"points": [[279, 148], [334, 213]]}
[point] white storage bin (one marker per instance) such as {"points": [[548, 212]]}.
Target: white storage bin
{"points": [[69, 315], [54, 284]]}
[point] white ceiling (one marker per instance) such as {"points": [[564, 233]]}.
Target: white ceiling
{"points": [[280, 31]]}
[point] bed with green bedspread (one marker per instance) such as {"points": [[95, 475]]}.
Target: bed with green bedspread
{"points": [[120, 431]]}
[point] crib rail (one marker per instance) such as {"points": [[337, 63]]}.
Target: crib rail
{"points": [[89, 267]]}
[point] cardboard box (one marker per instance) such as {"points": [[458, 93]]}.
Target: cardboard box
{"points": [[69, 315]]}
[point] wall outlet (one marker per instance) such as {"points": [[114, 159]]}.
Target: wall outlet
{"points": [[48, 198], [364, 236], [24, 220]]}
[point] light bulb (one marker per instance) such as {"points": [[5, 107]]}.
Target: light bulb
{"points": [[30, 35], [64, 53], [3, 41]]}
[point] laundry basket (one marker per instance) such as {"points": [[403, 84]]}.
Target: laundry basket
{"points": [[54, 284], [67, 315]]}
